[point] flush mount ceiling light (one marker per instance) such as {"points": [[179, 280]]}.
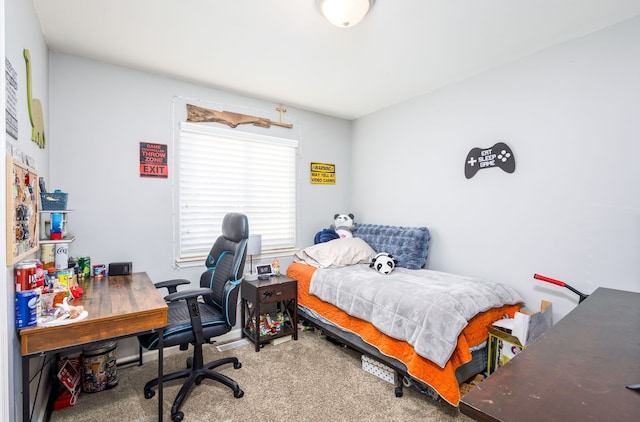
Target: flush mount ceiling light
{"points": [[345, 13]]}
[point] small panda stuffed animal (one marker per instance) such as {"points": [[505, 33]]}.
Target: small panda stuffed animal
{"points": [[383, 263], [343, 225]]}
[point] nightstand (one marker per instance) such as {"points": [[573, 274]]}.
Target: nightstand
{"points": [[256, 295]]}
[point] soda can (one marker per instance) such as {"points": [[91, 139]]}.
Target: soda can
{"points": [[84, 267], [47, 255], [26, 309], [99, 270], [38, 279], [61, 259], [24, 272]]}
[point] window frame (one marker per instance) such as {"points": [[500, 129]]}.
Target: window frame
{"points": [[257, 222]]}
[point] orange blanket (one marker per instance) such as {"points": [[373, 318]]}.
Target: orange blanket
{"points": [[443, 380]]}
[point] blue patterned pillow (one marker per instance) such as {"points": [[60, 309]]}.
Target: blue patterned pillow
{"points": [[409, 245]]}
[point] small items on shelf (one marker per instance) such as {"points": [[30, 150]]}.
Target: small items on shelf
{"points": [[268, 326]]}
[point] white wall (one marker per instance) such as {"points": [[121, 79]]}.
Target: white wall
{"points": [[571, 209], [100, 114], [22, 30]]}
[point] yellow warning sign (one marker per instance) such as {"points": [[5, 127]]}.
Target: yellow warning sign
{"points": [[323, 174]]}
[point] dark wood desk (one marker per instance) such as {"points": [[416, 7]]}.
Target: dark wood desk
{"points": [[118, 306], [577, 370]]}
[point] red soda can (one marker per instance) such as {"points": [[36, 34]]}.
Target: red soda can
{"points": [[38, 279], [24, 272]]}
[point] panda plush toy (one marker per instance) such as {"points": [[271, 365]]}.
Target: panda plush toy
{"points": [[383, 263], [343, 225]]}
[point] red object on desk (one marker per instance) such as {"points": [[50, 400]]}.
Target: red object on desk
{"points": [[76, 291]]}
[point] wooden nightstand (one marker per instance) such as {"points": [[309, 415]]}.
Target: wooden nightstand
{"points": [[281, 290]]}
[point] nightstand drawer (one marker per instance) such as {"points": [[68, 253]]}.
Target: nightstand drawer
{"points": [[278, 292]]}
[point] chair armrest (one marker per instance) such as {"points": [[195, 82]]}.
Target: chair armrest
{"points": [[171, 285], [186, 294]]}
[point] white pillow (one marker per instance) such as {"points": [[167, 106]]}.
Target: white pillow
{"points": [[337, 253]]}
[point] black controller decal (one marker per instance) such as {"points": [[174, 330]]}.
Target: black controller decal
{"points": [[499, 155]]}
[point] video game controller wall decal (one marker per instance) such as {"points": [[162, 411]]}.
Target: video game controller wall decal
{"points": [[499, 155]]}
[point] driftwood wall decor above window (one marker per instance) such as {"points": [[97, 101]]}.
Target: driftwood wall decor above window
{"points": [[201, 114]]}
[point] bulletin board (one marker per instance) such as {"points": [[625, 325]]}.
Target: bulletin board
{"points": [[22, 211]]}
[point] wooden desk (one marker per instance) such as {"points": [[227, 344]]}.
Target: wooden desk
{"points": [[577, 370], [118, 306]]}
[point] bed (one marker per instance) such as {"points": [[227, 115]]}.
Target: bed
{"points": [[433, 340]]}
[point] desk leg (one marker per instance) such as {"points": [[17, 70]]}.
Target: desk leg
{"points": [[25, 389], [295, 318], [160, 372]]}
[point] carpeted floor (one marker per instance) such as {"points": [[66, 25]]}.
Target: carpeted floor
{"points": [[310, 379]]}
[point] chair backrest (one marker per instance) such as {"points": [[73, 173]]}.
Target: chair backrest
{"points": [[225, 265]]}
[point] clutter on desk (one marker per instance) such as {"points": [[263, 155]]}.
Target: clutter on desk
{"points": [[63, 314], [98, 270], [42, 295]]}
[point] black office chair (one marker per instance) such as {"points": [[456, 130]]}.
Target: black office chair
{"points": [[197, 321]]}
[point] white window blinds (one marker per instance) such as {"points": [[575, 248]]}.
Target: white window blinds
{"points": [[221, 171]]}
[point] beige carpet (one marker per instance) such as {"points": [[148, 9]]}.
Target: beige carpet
{"points": [[306, 380]]}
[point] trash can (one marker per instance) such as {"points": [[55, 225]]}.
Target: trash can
{"points": [[99, 370]]}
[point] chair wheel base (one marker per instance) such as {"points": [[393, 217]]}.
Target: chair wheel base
{"points": [[237, 365], [177, 417], [148, 394], [238, 394]]}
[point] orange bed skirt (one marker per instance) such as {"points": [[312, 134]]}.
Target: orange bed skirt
{"points": [[443, 380]]}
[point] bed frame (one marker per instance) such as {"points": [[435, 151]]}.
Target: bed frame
{"points": [[477, 364]]}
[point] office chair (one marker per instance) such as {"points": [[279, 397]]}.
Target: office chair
{"points": [[197, 321]]}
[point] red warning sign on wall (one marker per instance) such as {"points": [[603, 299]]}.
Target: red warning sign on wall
{"points": [[153, 160]]}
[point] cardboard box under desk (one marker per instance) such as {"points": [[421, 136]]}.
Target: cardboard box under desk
{"points": [[502, 348]]}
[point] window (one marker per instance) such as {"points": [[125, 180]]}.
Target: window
{"points": [[223, 170]]}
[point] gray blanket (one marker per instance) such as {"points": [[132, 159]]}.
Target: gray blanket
{"points": [[427, 309]]}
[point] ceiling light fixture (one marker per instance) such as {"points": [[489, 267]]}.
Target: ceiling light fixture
{"points": [[345, 13]]}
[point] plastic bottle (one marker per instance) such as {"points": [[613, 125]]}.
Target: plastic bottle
{"points": [[56, 224]]}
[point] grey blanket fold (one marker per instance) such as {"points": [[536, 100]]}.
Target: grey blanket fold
{"points": [[427, 309]]}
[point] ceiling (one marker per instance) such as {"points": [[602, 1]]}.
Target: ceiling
{"points": [[284, 50]]}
